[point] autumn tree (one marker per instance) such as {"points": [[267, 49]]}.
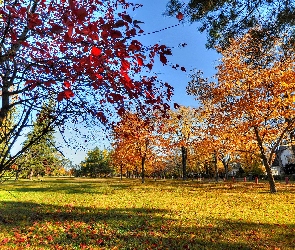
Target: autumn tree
{"points": [[122, 157], [224, 20], [180, 130], [253, 94], [137, 136], [84, 54]]}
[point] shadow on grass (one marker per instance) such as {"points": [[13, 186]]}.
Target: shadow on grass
{"points": [[71, 227], [71, 185]]}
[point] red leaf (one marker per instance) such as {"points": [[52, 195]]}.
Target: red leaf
{"points": [[179, 16], [94, 36], [98, 76], [119, 24], [115, 34], [150, 66], [67, 84], [126, 77], [5, 240], [71, 3], [60, 96], [125, 65], [127, 18], [56, 29], [121, 111], [70, 30], [95, 51], [68, 93], [139, 61], [183, 69], [81, 14], [104, 34], [26, 44], [163, 59]]}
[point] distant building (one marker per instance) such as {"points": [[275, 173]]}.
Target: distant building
{"points": [[284, 156]]}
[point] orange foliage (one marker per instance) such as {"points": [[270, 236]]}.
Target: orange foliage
{"points": [[253, 96]]}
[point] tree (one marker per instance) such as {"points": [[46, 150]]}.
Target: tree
{"points": [[43, 156], [253, 95], [84, 54], [97, 163], [224, 20], [137, 137], [122, 157], [181, 130]]}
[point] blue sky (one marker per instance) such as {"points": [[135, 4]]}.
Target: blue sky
{"points": [[193, 56]]}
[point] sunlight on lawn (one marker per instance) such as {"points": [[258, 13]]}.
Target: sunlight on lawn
{"points": [[113, 214]]}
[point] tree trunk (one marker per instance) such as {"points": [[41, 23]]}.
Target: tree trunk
{"points": [[215, 167], [142, 169], [266, 164], [17, 174], [121, 172], [225, 164], [31, 174], [184, 159]]}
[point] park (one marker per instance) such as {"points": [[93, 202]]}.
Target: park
{"points": [[146, 124], [77, 213]]}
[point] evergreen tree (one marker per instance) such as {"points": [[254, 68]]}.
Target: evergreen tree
{"points": [[42, 158], [97, 163], [224, 20]]}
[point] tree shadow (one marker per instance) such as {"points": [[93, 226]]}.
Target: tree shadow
{"points": [[70, 226], [72, 186]]}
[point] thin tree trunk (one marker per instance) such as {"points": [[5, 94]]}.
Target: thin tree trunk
{"points": [[142, 168], [184, 159], [266, 164], [225, 164], [215, 167], [121, 172]]}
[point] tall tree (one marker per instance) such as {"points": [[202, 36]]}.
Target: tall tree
{"points": [[84, 54], [224, 19], [97, 163], [43, 156], [181, 130], [253, 95], [137, 136]]}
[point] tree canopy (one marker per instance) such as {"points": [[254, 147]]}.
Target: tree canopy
{"points": [[84, 54], [226, 19], [254, 98]]}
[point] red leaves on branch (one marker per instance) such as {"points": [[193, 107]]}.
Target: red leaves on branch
{"points": [[80, 46], [127, 18], [66, 94], [95, 51], [67, 84], [115, 34], [125, 65], [179, 16], [163, 59], [139, 61], [81, 14], [34, 20]]}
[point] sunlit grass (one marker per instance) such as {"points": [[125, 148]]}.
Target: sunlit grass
{"points": [[112, 214]]}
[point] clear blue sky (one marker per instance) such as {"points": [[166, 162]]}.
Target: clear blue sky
{"points": [[193, 56]]}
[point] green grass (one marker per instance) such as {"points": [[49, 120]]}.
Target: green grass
{"points": [[68, 213]]}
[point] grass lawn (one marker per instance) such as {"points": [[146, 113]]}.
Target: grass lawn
{"points": [[64, 213]]}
